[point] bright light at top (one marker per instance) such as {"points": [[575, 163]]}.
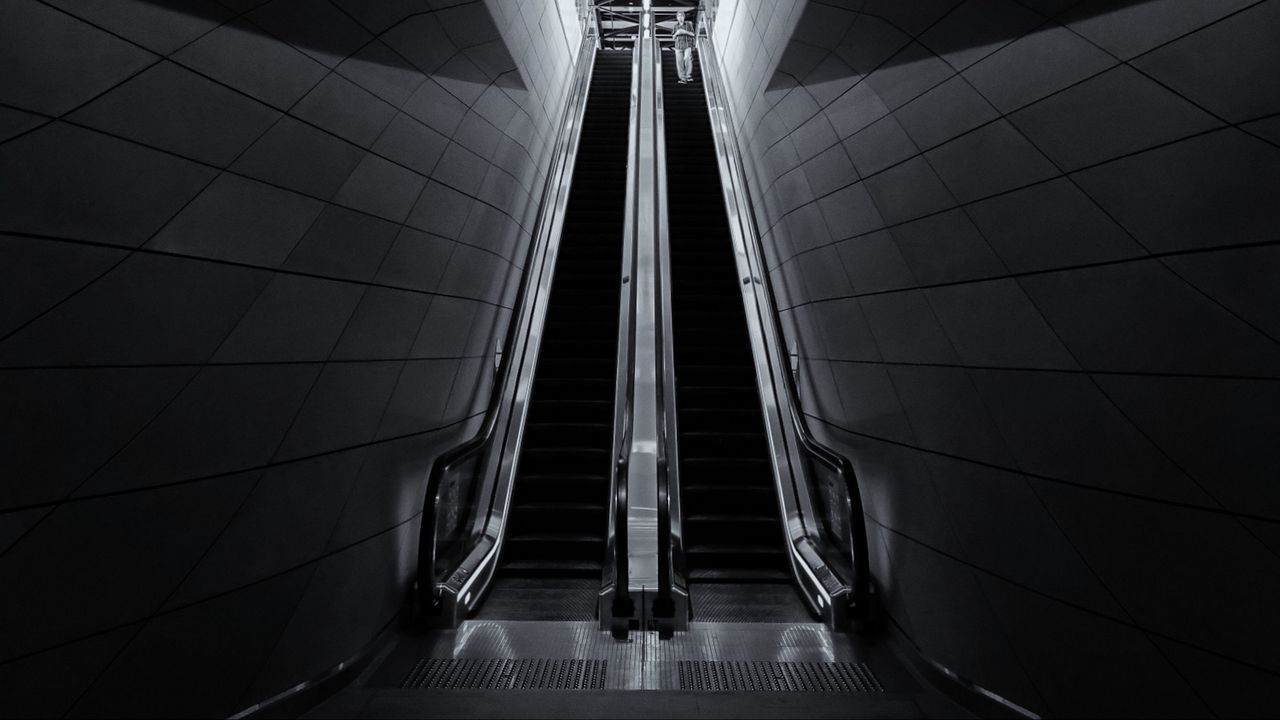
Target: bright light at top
{"points": [[647, 5]]}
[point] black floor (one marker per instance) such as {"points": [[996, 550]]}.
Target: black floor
{"points": [[733, 532], [559, 507]]}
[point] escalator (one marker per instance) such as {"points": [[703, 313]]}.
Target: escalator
{"points": [[555, 544], [733, 542], [753, 646]]}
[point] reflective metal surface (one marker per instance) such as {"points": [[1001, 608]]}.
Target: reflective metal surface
{"points": [[651, 575], [506, 674], [641, 422], [671, 608], [646, 662], [642, 494], [572, 669]]}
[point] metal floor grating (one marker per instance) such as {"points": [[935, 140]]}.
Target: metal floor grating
{"points": [[507, 674], [561, 670], [769, 676], [731, 657]]}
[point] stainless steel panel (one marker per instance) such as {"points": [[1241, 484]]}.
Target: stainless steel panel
{"points": [[642, 494], [671, 537]]}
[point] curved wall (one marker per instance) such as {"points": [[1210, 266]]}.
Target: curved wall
{"points": [[254, 260], [1027, 254]]}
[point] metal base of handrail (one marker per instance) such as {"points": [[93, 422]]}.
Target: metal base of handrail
{"points": [[450, 602], [617, 613], [670, 615], [644, 610]]}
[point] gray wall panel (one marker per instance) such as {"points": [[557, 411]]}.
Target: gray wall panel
{"points": [[256, 256], [1047, 338]]}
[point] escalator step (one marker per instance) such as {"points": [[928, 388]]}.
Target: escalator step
{"points": [[559, 505], [552, 568], [733, 529], [766, 575]]}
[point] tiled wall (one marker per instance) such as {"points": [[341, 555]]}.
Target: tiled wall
{"points": [[254, 259], [1027, 251]]}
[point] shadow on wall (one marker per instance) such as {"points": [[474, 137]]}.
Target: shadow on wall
{"points": [[454, 39], [833, 40], [1026, 252]]}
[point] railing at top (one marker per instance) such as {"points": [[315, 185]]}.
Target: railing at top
{"points": [[860, 601]]}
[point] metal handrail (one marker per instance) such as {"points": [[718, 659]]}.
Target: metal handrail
{"points": [[428, 596], [670, 569], [838, 463], [826, 455], [622, 606]]}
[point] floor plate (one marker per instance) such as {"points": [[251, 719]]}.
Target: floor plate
{"points": [[506, 668], [728, 656]]}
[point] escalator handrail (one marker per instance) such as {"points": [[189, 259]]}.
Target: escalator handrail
{"points": [[834, 460], [667, 469], [467, 449]]}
